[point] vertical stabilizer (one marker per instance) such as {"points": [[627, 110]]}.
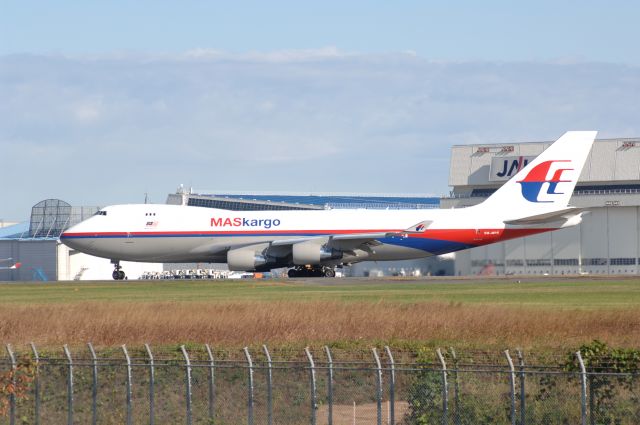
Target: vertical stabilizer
{"points": [[545, 184]]}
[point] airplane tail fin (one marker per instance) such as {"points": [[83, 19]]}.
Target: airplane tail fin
{"points": [[546, 184]]}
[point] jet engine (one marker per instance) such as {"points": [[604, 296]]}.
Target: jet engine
{"points": [[245, 259], [313, 253]]}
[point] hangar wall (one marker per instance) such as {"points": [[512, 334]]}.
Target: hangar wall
{"points": [[50, 260], [41, 262]]}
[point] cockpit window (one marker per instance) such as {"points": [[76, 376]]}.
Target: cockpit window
{"points": [[101, 213]]}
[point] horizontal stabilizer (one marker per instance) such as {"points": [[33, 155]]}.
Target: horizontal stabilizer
{"points": [[550, 217]]}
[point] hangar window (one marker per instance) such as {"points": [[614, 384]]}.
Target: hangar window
{"points": [[515, 263], [565, 262], [622, 261], [595, 261], [539, 262]]}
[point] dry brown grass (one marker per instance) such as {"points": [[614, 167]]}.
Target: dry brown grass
{"points": [[295, 323]]}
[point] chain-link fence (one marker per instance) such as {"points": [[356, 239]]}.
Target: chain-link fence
{"points": [[201, 385]]}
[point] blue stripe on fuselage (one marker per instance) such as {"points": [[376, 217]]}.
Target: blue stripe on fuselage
{"points": [[434, 246]]}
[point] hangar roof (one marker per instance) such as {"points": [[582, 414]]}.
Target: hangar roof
{"points": [[14, 231], [283, 201], [480, 166]]}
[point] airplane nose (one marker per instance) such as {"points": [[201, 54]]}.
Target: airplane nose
{"points": [[74, 239]]}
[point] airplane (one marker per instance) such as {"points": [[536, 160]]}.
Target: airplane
{"points": [[14, 265], [315, 242]]}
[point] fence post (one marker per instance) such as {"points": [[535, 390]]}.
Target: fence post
{"points": [[187, 382], [94, 386], [12, 394], [36, 384], [583, 391], [378, 385], [314, 403], [445, 390], [212, 387], [152, 381], [523, 393], [329, 384], [456, 388], [128, 388], [392, 386], [512, 386], [269, 386], [69, 385], [250, 394]]}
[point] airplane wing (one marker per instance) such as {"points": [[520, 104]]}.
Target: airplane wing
{"points": [[350, 238], [351, 241], [348, 241], [343, 237], [564, 214]]}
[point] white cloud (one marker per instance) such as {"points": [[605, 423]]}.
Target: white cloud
{"points": [[87, 112], [97, 130], [276, 56], [202, 53]]}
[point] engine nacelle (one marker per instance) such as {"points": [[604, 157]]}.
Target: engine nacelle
{"points": [[245, 259], [312, 253]]}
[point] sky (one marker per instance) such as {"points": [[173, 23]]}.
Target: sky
{"points": [[102, 102]]}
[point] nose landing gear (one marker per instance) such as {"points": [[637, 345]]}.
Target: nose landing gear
{"points": [[118, 273]]}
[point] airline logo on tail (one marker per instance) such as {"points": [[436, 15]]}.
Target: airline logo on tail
{"points": [[534, 182]]}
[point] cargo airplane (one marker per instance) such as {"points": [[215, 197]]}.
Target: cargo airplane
{"points": [[313, 243]]}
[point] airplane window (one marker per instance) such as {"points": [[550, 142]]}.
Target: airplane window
{"points": [[101, 213]]}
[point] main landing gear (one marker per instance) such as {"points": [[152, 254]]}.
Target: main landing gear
{"points": [[311, 271], [118, 273]]}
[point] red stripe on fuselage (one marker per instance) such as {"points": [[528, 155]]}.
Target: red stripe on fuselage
{"points": [[478, 236], [231, 232], [466, 236]]}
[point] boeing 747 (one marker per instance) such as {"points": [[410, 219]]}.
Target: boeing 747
{"points": [[314, 242]]}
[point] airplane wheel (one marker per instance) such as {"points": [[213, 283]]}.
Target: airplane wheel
{"points": [[329, 273], [116, 275], [121, 275], [292, 273]]}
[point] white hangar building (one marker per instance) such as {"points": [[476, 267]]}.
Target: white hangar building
{"points": [[606, 242]]}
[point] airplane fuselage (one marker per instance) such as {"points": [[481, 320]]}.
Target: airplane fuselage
{"points": [[171, 233]]}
